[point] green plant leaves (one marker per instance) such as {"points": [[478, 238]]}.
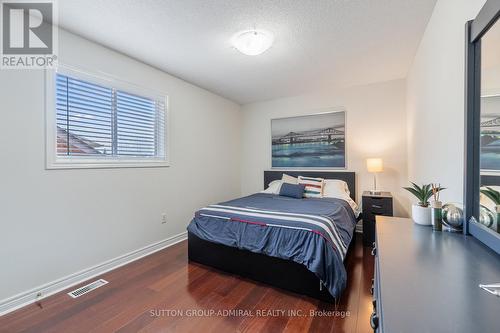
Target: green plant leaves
{"points": [[492, 195], [424, 193], [414, 191]]}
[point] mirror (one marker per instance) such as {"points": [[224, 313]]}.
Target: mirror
{"points": [[490, 130]]}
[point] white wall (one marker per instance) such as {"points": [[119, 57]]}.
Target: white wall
{"points": [[435, 99], [57, 222], [376, 127]]}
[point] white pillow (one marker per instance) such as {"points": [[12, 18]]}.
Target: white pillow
{"points": [[339, 189], [336, 185], [289, 179], [274, 187], [487, 202]]}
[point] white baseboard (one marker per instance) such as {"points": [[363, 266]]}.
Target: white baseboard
{"points": [[15, 302]]}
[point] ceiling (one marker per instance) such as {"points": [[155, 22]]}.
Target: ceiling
{"points": [[318, 43], [490, 68], [490, 48]]}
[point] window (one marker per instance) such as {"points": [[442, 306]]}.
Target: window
{"points": [[101, 122]]}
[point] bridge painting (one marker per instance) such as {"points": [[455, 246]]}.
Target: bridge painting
{"points": [[309, 141], [490, 142]]}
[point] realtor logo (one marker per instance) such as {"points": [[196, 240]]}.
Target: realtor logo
{"points": [[28, 34]]}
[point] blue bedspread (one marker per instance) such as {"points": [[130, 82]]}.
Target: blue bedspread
{"points": [[312, 232]]}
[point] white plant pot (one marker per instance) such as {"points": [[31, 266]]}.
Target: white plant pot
{"points": [[421, 215]]}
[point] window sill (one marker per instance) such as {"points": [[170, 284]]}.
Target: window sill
{"points": [[110, 164]]}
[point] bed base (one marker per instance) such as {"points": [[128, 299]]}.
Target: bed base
{"points": [[284, 274]]}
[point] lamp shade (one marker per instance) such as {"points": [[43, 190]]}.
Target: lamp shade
{"points": [[374, 165]]}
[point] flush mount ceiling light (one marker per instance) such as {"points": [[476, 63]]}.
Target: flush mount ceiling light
{"points": [[252, 42]]}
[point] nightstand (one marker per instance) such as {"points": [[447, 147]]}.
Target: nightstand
{"points": [[373, 205]]}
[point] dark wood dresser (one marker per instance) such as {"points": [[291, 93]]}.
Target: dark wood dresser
{"points": [[374, 205], [428, 281]]}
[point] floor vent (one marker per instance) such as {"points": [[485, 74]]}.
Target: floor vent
{"points": [[88, 288]]}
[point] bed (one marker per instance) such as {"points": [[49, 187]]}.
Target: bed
{"points": [[294, 244]]}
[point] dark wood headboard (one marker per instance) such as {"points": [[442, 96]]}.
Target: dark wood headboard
{"points": [[348, 177], [489, 180]]}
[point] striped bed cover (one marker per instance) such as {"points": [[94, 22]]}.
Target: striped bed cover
{"points": [[315, 232]]}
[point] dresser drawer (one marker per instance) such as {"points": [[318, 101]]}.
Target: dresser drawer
{"points": [[373, 206], [369, 215], [377, 311]]}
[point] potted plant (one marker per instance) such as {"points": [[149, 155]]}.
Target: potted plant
{"points": [[421, 212], [495, 197]]}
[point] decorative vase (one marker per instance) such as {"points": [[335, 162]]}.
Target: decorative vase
{"points": [[487, 217], [453, 217], [421, 215], [437, 215]]}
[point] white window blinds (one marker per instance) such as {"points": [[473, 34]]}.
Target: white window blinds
{"points": [[104, 122]]}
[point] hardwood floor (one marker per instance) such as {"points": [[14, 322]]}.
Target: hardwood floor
{"points": [[164, 293]]}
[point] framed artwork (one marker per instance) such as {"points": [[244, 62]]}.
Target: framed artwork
{"points": [[490, 133], [311, 141]]}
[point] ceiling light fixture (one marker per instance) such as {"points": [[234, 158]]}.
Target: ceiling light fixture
{"points": [[252, 42]]}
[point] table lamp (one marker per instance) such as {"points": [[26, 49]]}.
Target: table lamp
{"points": [[375, 165]]}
